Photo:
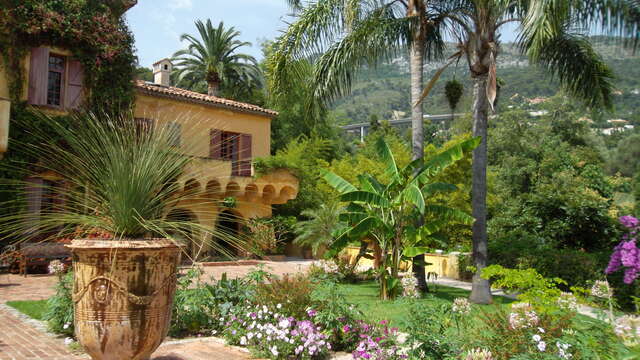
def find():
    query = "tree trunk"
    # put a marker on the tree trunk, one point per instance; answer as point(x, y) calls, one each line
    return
point(416, 62)
point(481, 291)
point(213, 88)
point(362, 252)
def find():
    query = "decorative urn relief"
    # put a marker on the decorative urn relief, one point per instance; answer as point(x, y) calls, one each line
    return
point(123, 293)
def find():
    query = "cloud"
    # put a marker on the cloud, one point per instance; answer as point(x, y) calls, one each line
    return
point(180, 4)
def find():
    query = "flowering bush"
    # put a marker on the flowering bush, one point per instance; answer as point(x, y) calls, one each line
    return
point(409, 286)
point(379, 343)
point(567, 301)
point(479, 354)
point(275, 336)
point(626, 255)
point(628, 329)
point(522, 316)
point(461, 306)
point(601, 289)
point(56, 267)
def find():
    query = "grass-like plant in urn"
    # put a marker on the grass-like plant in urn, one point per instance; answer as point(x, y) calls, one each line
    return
point(118, 179)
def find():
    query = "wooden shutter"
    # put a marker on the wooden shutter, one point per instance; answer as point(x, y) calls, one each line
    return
point(245, 155)
point(38, 76)
point(73, 94)
point(215, 144)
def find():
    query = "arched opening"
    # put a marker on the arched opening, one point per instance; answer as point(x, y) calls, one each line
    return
point(287, 193)
point(192, 186)
point(268, 192)
point(233, 189)
point(184, 233)
point(251, 191)
point(227, 233)
point(213, 189)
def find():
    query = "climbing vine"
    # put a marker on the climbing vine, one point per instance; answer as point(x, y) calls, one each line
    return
point(96, 35)
point(93, 30)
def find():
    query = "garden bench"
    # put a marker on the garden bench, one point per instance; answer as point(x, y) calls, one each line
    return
point(34, 254)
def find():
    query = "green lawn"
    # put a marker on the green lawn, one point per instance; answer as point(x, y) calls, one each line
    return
point(365, 295)
point(32, 308)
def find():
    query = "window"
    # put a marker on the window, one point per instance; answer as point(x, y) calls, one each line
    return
point(228, 145)
point(234, 147)
point(174, 132)
point(55, 80)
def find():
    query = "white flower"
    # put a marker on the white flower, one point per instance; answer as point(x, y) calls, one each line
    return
point(279, 306)
point(536, 338)
point(461, 306)
point(68, 341)
point(479, 354)
point(541, 330)
point(243, 341)
point(542, 346)
point(274, 350)
point(66, 326)
point(601, 289)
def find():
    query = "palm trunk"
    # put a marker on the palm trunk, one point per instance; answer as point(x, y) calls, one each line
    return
point(481, 291)
point(416, 63)
point(213, 88)
point(362, 252)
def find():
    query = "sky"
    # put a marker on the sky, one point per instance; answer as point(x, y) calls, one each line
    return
point(157, 25)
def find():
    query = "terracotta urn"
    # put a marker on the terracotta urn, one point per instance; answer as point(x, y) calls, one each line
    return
point(122, 293)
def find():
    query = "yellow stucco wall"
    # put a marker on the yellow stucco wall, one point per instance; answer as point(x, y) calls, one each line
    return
point(210, 180)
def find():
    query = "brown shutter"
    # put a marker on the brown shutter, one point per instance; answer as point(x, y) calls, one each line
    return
point(73, 94)
point(38, 75)
point(215, 144)
point(245, 155)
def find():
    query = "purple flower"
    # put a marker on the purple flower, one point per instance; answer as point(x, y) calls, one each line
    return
point(629, 221)
point(346, 328)
point(311, 312)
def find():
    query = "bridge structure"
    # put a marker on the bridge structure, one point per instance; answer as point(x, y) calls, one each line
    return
point(363, 129)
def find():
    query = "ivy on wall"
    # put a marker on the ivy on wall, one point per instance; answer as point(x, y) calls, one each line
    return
point(95, 33)
point(93, 30)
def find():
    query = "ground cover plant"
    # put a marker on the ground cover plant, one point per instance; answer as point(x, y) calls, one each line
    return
point(310, 315)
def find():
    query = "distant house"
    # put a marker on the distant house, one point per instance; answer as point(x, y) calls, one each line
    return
point(221, 135)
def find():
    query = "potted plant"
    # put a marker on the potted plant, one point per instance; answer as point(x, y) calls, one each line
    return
point(118, 181)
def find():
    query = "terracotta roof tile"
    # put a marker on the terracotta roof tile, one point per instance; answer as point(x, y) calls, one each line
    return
point(187, 95)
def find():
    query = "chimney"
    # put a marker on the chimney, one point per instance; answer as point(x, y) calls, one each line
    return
point(162, 72)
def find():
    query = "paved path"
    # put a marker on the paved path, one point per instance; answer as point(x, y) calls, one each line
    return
point(22, 338)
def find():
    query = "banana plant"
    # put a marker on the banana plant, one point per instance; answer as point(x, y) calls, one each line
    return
point(387, 212)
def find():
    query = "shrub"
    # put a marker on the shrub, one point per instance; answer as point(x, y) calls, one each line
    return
point(431, 333)
point(334, 313)
point(59, 314)
point(291, 292)
point(193, 308)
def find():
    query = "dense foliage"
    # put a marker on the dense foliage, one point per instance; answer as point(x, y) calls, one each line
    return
point(94, 31)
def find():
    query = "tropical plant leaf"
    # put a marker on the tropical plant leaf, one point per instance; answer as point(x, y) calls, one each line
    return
point(389, 161)
point(414, 251)
point(451, 214)
point(413, 194)
point(446, 158)
point(338, 183)
point(365, 197)
point(433, 188)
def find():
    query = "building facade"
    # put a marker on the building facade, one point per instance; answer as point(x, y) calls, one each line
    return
point(221, 136)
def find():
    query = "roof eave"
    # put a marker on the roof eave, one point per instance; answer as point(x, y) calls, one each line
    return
point(268, 114)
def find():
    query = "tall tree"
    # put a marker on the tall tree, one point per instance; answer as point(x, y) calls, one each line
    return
point(342, 36)
point(214, 59)
point(547, 35)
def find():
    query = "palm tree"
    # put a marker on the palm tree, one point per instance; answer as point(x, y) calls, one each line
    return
point(343, 36)
point(547, 35)
point(213, 59)
point(318, 231)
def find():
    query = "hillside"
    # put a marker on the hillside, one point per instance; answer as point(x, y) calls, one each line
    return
point(385, 89)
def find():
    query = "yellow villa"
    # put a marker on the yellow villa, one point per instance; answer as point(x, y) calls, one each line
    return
point(221, 135)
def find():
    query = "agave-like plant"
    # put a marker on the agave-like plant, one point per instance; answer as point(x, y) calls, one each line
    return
point(118, 179)
point(387, 212)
